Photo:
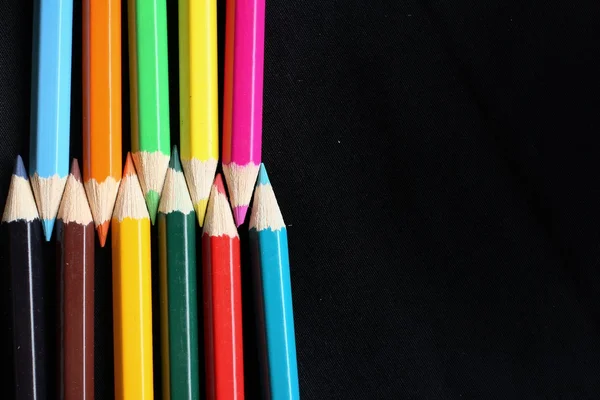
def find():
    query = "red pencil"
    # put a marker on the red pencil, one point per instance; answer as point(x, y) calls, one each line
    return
point(222, 299)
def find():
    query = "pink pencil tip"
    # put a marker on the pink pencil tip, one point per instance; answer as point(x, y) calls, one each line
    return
point(219, 184)
point(239, 214)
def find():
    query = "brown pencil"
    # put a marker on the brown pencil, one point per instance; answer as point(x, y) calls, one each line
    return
point(75, 235)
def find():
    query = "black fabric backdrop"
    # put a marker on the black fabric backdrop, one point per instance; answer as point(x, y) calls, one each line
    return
point(437, 164)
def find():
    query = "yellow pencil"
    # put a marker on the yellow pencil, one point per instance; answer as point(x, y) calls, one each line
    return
point(198, 101)
point(132, 291)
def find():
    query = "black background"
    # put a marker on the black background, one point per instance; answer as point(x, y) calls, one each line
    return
point(437, 164)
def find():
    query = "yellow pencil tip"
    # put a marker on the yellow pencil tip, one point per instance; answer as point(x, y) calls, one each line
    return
point(200, 208)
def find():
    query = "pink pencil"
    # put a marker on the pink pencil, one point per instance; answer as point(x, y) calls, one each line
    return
point(243, 100)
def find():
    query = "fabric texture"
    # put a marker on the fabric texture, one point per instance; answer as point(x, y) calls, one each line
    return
point(436, 163)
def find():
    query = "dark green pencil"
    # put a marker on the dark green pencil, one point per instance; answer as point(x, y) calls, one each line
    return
point(178, 292)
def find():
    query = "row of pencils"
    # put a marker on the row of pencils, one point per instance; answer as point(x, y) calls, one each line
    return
point(155, 186)
point(149, 102)
point(132, 291)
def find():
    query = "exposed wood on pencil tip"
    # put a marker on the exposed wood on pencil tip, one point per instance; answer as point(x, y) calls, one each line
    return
point(130, 201)
point(266, 213)
point(240, 182)
point(74, 206)
point(175, 195)
point(219, 219)
point(20, 204)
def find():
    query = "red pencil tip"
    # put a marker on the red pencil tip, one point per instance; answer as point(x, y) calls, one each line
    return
point(102, 232)
point(219, 184)
point(129, 169)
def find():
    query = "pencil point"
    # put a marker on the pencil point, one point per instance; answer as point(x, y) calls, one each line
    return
point(263, 178)
point(219, 184)
point(75, 170)
point(20, 170)
point(200, 208)
point(239, 214)
point(174, 162)
point(129, 168)
point(102, 230)
point(48, 225)
point(152, 200)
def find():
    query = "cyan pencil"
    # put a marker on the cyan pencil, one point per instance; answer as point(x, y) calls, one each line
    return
point(51, 105)
point(271, 270)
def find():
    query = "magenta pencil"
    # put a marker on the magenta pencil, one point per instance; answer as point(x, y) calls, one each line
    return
point(242, 134)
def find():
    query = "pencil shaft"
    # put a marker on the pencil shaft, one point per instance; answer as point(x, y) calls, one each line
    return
point(51, 87)
point(271, 272)
point(29, 329)
point(102, 89)
point(149, 76)
point(76, 267)
point(132, 304)
point(198, 79)
point(228, 79)
point(223, 317)
point(177, 239)
point(247, 92)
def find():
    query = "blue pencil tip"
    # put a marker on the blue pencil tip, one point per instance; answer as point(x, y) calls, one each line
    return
point(48, 225)
point(263, 178)
point(20, 170)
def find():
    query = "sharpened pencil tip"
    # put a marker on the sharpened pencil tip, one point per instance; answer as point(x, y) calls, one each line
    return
point(102, 230)
point(129, 169)
point(263, 178)
point(200, 208)
point(218, 183)
point(152, 201)
point(75, 170)
point(48, 225)
point(19, 169)
point(239, 214)
point(174, 162)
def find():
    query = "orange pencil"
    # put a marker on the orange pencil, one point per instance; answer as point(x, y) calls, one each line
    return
point(101, 23)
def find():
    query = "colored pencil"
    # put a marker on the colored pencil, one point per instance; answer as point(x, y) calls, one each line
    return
point(242, 136)
point(222, 299)
point(179, 314)
point(271, 271)
point(198, 94)
point(149, 83)
point(132, 291)
point(24, 248)
point(51, 105)
point(75, 233)
point(101, 25)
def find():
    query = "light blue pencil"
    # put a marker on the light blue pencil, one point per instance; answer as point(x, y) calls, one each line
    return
point(50, 105)
point(271, 269)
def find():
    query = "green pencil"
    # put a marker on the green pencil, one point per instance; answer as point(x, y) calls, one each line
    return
point(149, 93)
point(179, 314)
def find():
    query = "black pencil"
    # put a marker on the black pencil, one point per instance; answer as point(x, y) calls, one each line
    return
point(25, 256)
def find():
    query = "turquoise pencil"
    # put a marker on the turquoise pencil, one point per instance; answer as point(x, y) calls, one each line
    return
point(50, 105)
point(271, 270)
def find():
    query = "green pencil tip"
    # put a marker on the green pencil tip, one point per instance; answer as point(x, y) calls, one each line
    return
point(152, 200)
point(174, 163)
